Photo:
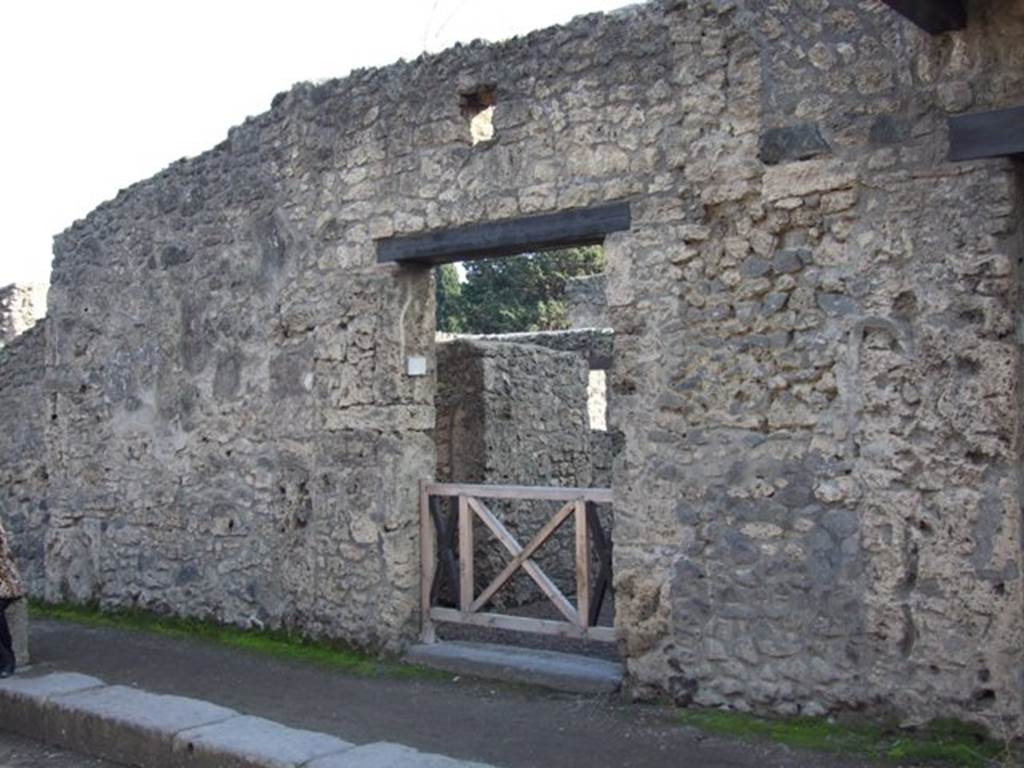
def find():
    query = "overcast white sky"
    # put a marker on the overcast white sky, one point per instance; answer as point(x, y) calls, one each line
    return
point(102, 93)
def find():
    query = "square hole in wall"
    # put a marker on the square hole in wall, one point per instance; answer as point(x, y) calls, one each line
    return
point(477, 107)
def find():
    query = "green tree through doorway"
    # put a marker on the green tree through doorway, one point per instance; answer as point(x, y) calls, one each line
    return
point(522, 293)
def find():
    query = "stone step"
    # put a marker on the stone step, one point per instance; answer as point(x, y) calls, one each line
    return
point(560, 671)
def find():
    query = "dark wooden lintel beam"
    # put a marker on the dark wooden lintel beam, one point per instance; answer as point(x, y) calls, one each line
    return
point(582, 226)
point(934, 16)
point(999, 133)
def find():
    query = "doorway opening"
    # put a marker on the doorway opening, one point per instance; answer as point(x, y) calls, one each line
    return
point(523, 346)
point(514, 404)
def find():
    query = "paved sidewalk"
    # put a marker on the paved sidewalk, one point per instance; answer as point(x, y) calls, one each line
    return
point(505, 726)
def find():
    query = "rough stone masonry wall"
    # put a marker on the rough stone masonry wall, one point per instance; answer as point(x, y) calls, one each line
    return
point(816, 372)
point(233, 434)
point(818, 375)
point(595, 345)
point(24, 507)
point(515, 414)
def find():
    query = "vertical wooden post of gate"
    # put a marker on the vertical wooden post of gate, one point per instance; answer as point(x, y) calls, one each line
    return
point(465, 556)
point(428, 565)
point(582, 564)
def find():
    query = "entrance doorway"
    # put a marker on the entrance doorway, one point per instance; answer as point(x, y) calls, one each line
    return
point(516, 408)
point(517, 522)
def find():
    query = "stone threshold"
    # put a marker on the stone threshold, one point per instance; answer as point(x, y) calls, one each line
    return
point(126, 725)
point(550, 669)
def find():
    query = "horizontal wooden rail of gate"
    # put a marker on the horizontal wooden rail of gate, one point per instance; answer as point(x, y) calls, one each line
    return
point(438, 538)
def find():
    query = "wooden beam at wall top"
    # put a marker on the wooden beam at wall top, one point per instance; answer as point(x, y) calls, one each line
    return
point(934, 16)
point(582, 226)
point(999, 133)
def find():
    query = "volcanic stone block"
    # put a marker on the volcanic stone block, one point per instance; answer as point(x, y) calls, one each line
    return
point(252, 741)
point(23, 699)
point(794, 142)
point(124, 724)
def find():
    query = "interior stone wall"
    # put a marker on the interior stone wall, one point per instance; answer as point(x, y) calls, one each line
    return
point(817, 373)
point(515, 414)
point(585, 300)
point(595, 345)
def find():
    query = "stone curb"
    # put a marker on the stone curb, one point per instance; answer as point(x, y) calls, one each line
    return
point(132, 727)
point(243, 741)
point(23, 700)
point(124, 725)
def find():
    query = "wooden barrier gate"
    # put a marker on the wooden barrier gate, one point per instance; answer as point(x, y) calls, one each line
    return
point(438, 537)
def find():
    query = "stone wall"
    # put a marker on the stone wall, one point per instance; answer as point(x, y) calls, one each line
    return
point(459, 410)
point(21, 306)
point(816, 368)
point(232, 433)
point(24, 506)
point(818, 376)
point(24, 503)
point(515, 414)
point(595, 345)
point(587, 306)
